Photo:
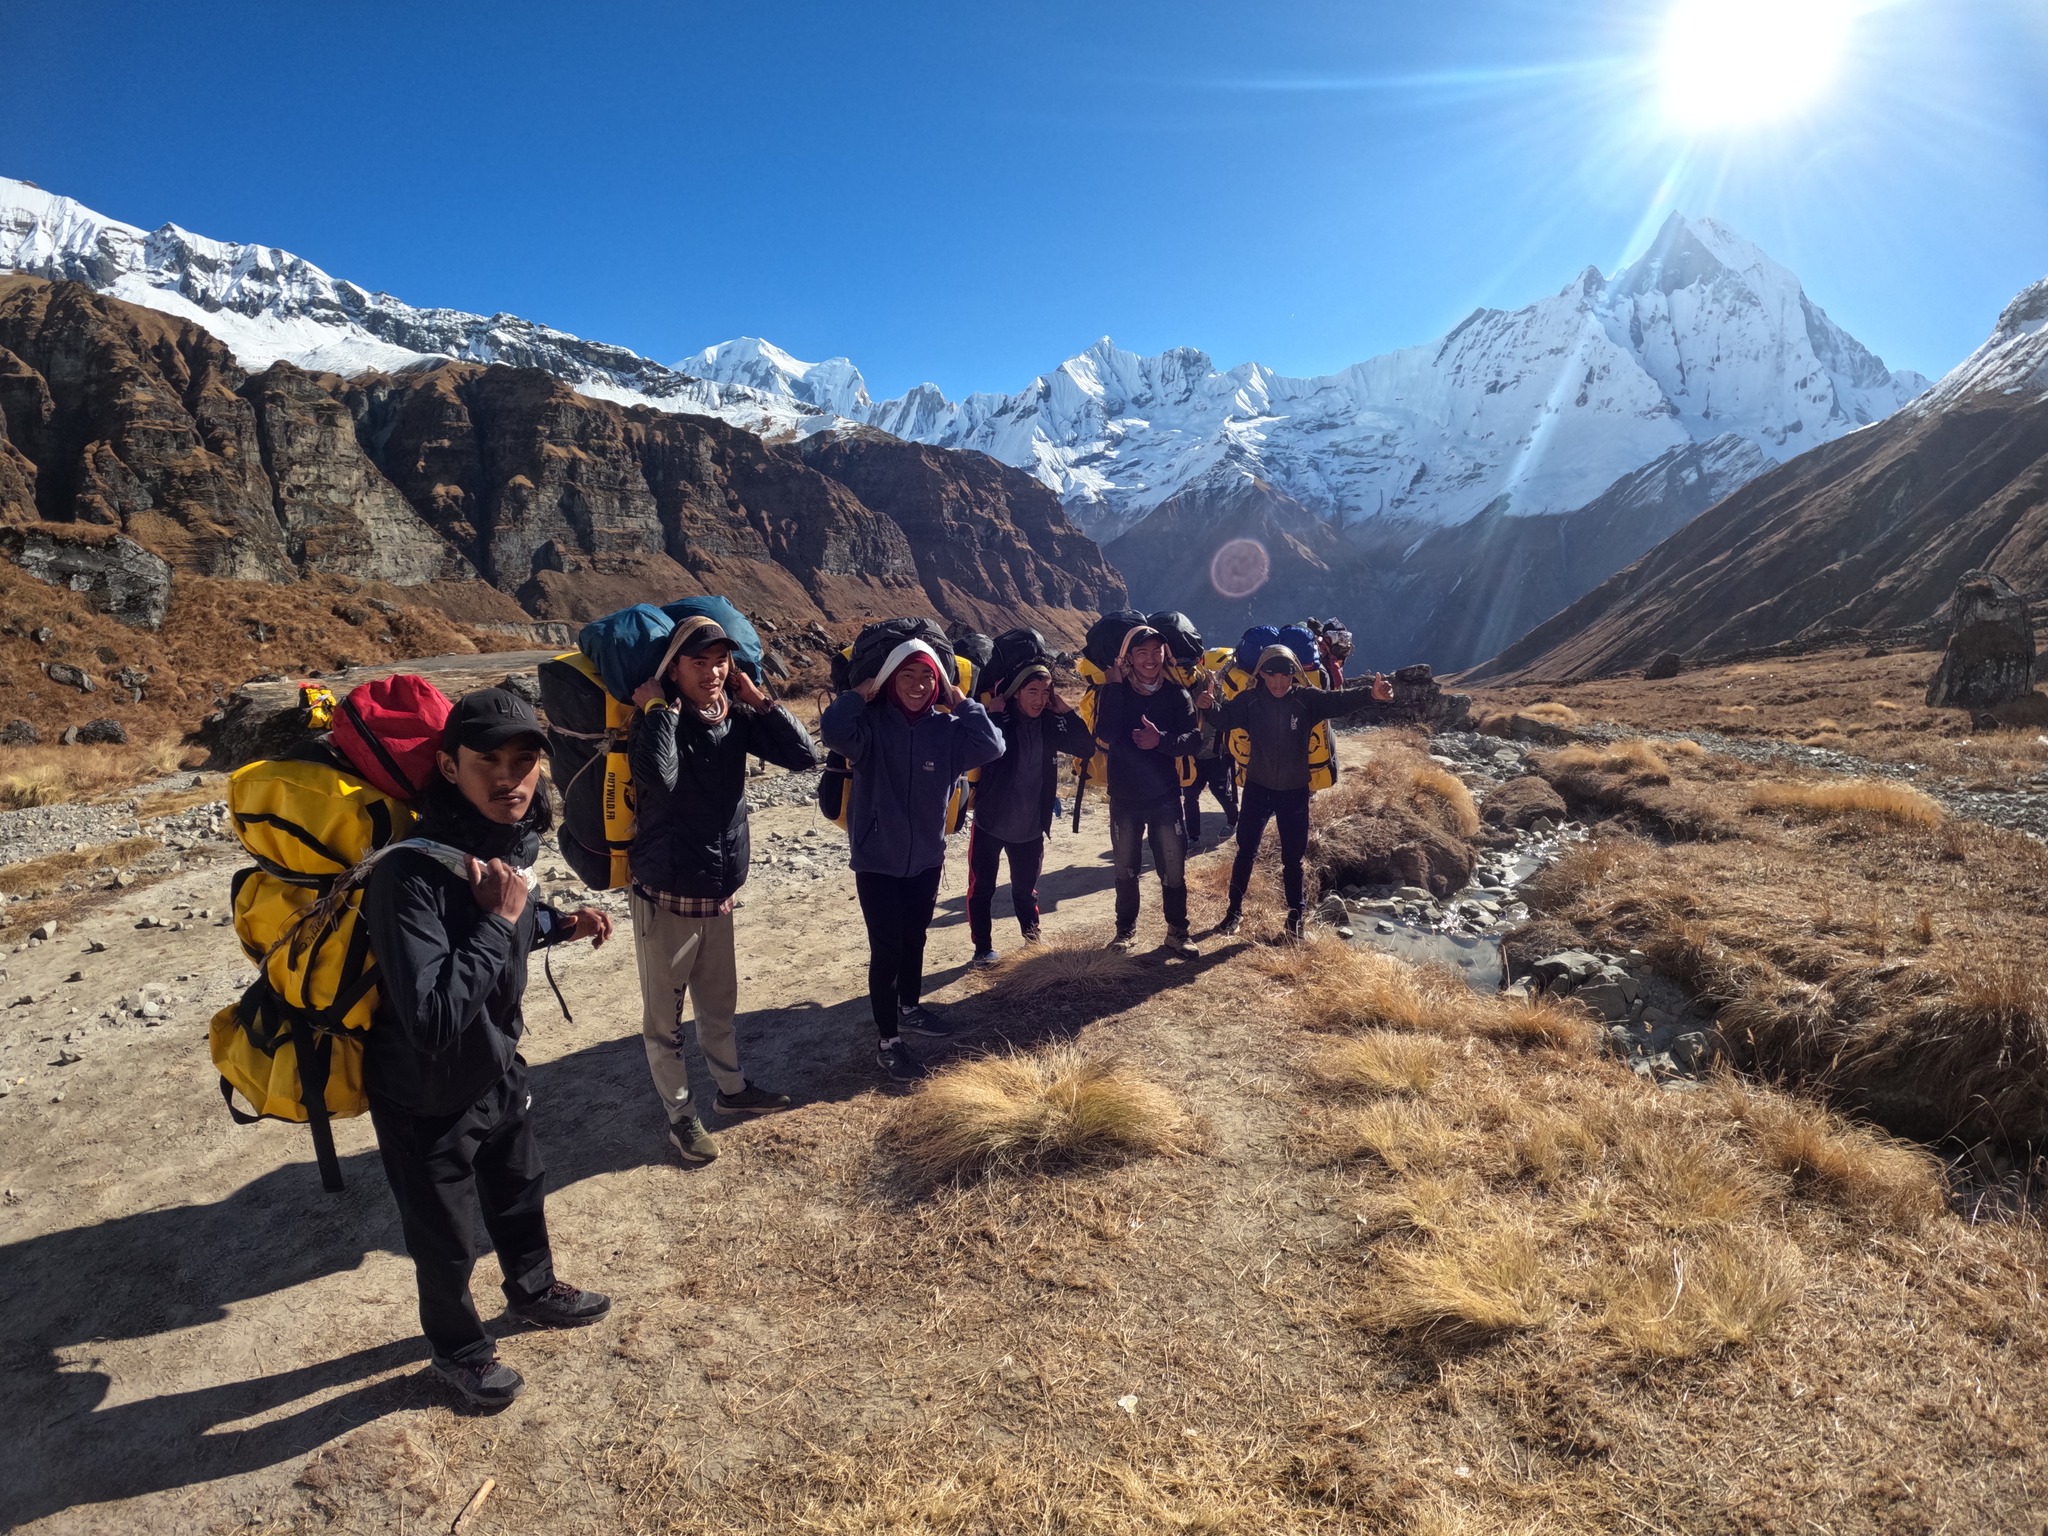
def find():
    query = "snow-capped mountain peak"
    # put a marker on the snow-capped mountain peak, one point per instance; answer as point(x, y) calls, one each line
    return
point(833, 386)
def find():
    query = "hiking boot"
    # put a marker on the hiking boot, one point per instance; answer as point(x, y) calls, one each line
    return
point(897, 1061)
point(751, 1100)
point(1178, 943)
point(1123, 941)
point(1297, 925)
point(984, 958)
point(920, 1020)
point(562, 1305)
point(692, 1142)
point(488, 1383)
point(1232, 921)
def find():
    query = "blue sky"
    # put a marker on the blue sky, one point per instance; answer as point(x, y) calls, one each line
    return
point(967, 194)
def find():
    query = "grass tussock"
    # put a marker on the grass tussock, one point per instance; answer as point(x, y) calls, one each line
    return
point(1030, 977)
point(52, 775)
point(1335, 986)
point(1551, 710)
point(1400, 1133)
point(1893, 1183)
point(1671, 1304)
point(1635, 760)
point(1397, 776)
point(1899, 804)
point(1052, 1109)
point(1381, 1062)
point(1466, 1286)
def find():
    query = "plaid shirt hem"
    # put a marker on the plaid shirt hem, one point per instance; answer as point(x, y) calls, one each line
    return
point(684, 906)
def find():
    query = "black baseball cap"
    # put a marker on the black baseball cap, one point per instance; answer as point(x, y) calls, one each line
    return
point(697, 634)
point(487, 718)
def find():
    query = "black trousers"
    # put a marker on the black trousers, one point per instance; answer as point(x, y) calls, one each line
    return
point(1289, 807)
point(984, 865)
point(445, 1170)
point(1131, 827)
point(898, 912)
point(1218, 775)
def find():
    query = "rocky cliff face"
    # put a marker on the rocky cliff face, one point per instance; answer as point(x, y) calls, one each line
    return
point(138, 423)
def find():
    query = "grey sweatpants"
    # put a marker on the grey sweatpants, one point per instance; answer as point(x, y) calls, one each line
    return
point(693, 956)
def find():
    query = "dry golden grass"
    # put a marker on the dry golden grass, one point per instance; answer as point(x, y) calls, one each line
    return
point(1465, 1286)
point(1683, 1186)
point(1381, 1062)
point(1397, 775)
point(1637, 760)
point(39, 876)
point(1399, 1132)
point(168, 802)
point(1050, 1109)
point(1333, 985)
point(50, 775)
point(1550, 709)
point(1893, 1183)
point(1899, 803)
point(1672, 1305)
point(1028, 978)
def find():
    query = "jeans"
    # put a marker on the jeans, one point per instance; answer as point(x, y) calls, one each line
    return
point(984, 864)
point(443, 1170)
point(898, 912)
point(1289, 807)
point(1218, 775)
point(693, 957)
point(1131, 826)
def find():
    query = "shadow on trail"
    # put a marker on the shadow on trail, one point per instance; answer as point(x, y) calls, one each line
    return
point(184, 1266)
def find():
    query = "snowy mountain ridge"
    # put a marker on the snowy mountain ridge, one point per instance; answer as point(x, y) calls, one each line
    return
point(1532, 411)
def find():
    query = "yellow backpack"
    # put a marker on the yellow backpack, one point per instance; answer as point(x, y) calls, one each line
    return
point(1095, 770)
point(292, 1047)
point(589, 763)
point(1322, 751)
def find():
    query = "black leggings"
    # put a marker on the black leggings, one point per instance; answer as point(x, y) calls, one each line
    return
point(984, 865)
point(1218, 775)
point(898, 912)
point(1289, 807)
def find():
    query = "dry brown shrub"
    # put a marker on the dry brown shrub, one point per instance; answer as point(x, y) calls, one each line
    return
point(1673, 1305)
point(1380, 1062)
point(1897, 803)
point(49, 775)
point(1892, 1182)
point(1397, 776)
point(1466, 1286)
point(1056, 1108)
point(1679, 746)
point(1550, 709)
point(1399, 1132)
point(1637, 760)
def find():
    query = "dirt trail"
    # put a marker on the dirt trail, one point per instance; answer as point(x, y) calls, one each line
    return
point(189, 1316)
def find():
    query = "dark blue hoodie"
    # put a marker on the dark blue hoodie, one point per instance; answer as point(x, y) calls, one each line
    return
point(903, 771)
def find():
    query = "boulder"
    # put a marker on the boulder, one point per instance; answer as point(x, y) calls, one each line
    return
point(1521, 803)
point(1990, 655)
point(1392, 847)
point(114, 575)
point(1663, 666)
point(105, 732)
point(67, 676)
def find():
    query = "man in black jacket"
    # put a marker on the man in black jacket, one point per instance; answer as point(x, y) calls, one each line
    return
point(700, 719)
point(1276, 718)
point(1014, 802)
point(451, 916)
point(1147, 723)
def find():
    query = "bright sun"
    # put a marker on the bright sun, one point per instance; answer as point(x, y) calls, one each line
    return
point(1728, 63)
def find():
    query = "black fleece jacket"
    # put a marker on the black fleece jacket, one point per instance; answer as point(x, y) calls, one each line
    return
point(1055, 732)
point(449, 974)
point(690, 835)
point(1136, 776)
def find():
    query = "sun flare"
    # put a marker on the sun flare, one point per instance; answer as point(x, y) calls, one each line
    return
point(1732, 63)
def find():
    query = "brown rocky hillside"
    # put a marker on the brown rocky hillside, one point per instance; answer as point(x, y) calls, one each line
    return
point(139, 461)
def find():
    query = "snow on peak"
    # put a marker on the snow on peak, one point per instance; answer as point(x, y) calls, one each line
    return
point(1545, 406)
point(2013, 359)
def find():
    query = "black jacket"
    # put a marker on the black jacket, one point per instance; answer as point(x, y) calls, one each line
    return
point(449, 974)
point(1279, 729)
point(1135, 776)
point(690, 834)
point(1057, 733)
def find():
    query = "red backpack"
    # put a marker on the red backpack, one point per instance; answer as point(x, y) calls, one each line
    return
point(389, 730)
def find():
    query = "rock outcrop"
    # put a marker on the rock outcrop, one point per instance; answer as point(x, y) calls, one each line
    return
point(1990, 655)
point(114, 574)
